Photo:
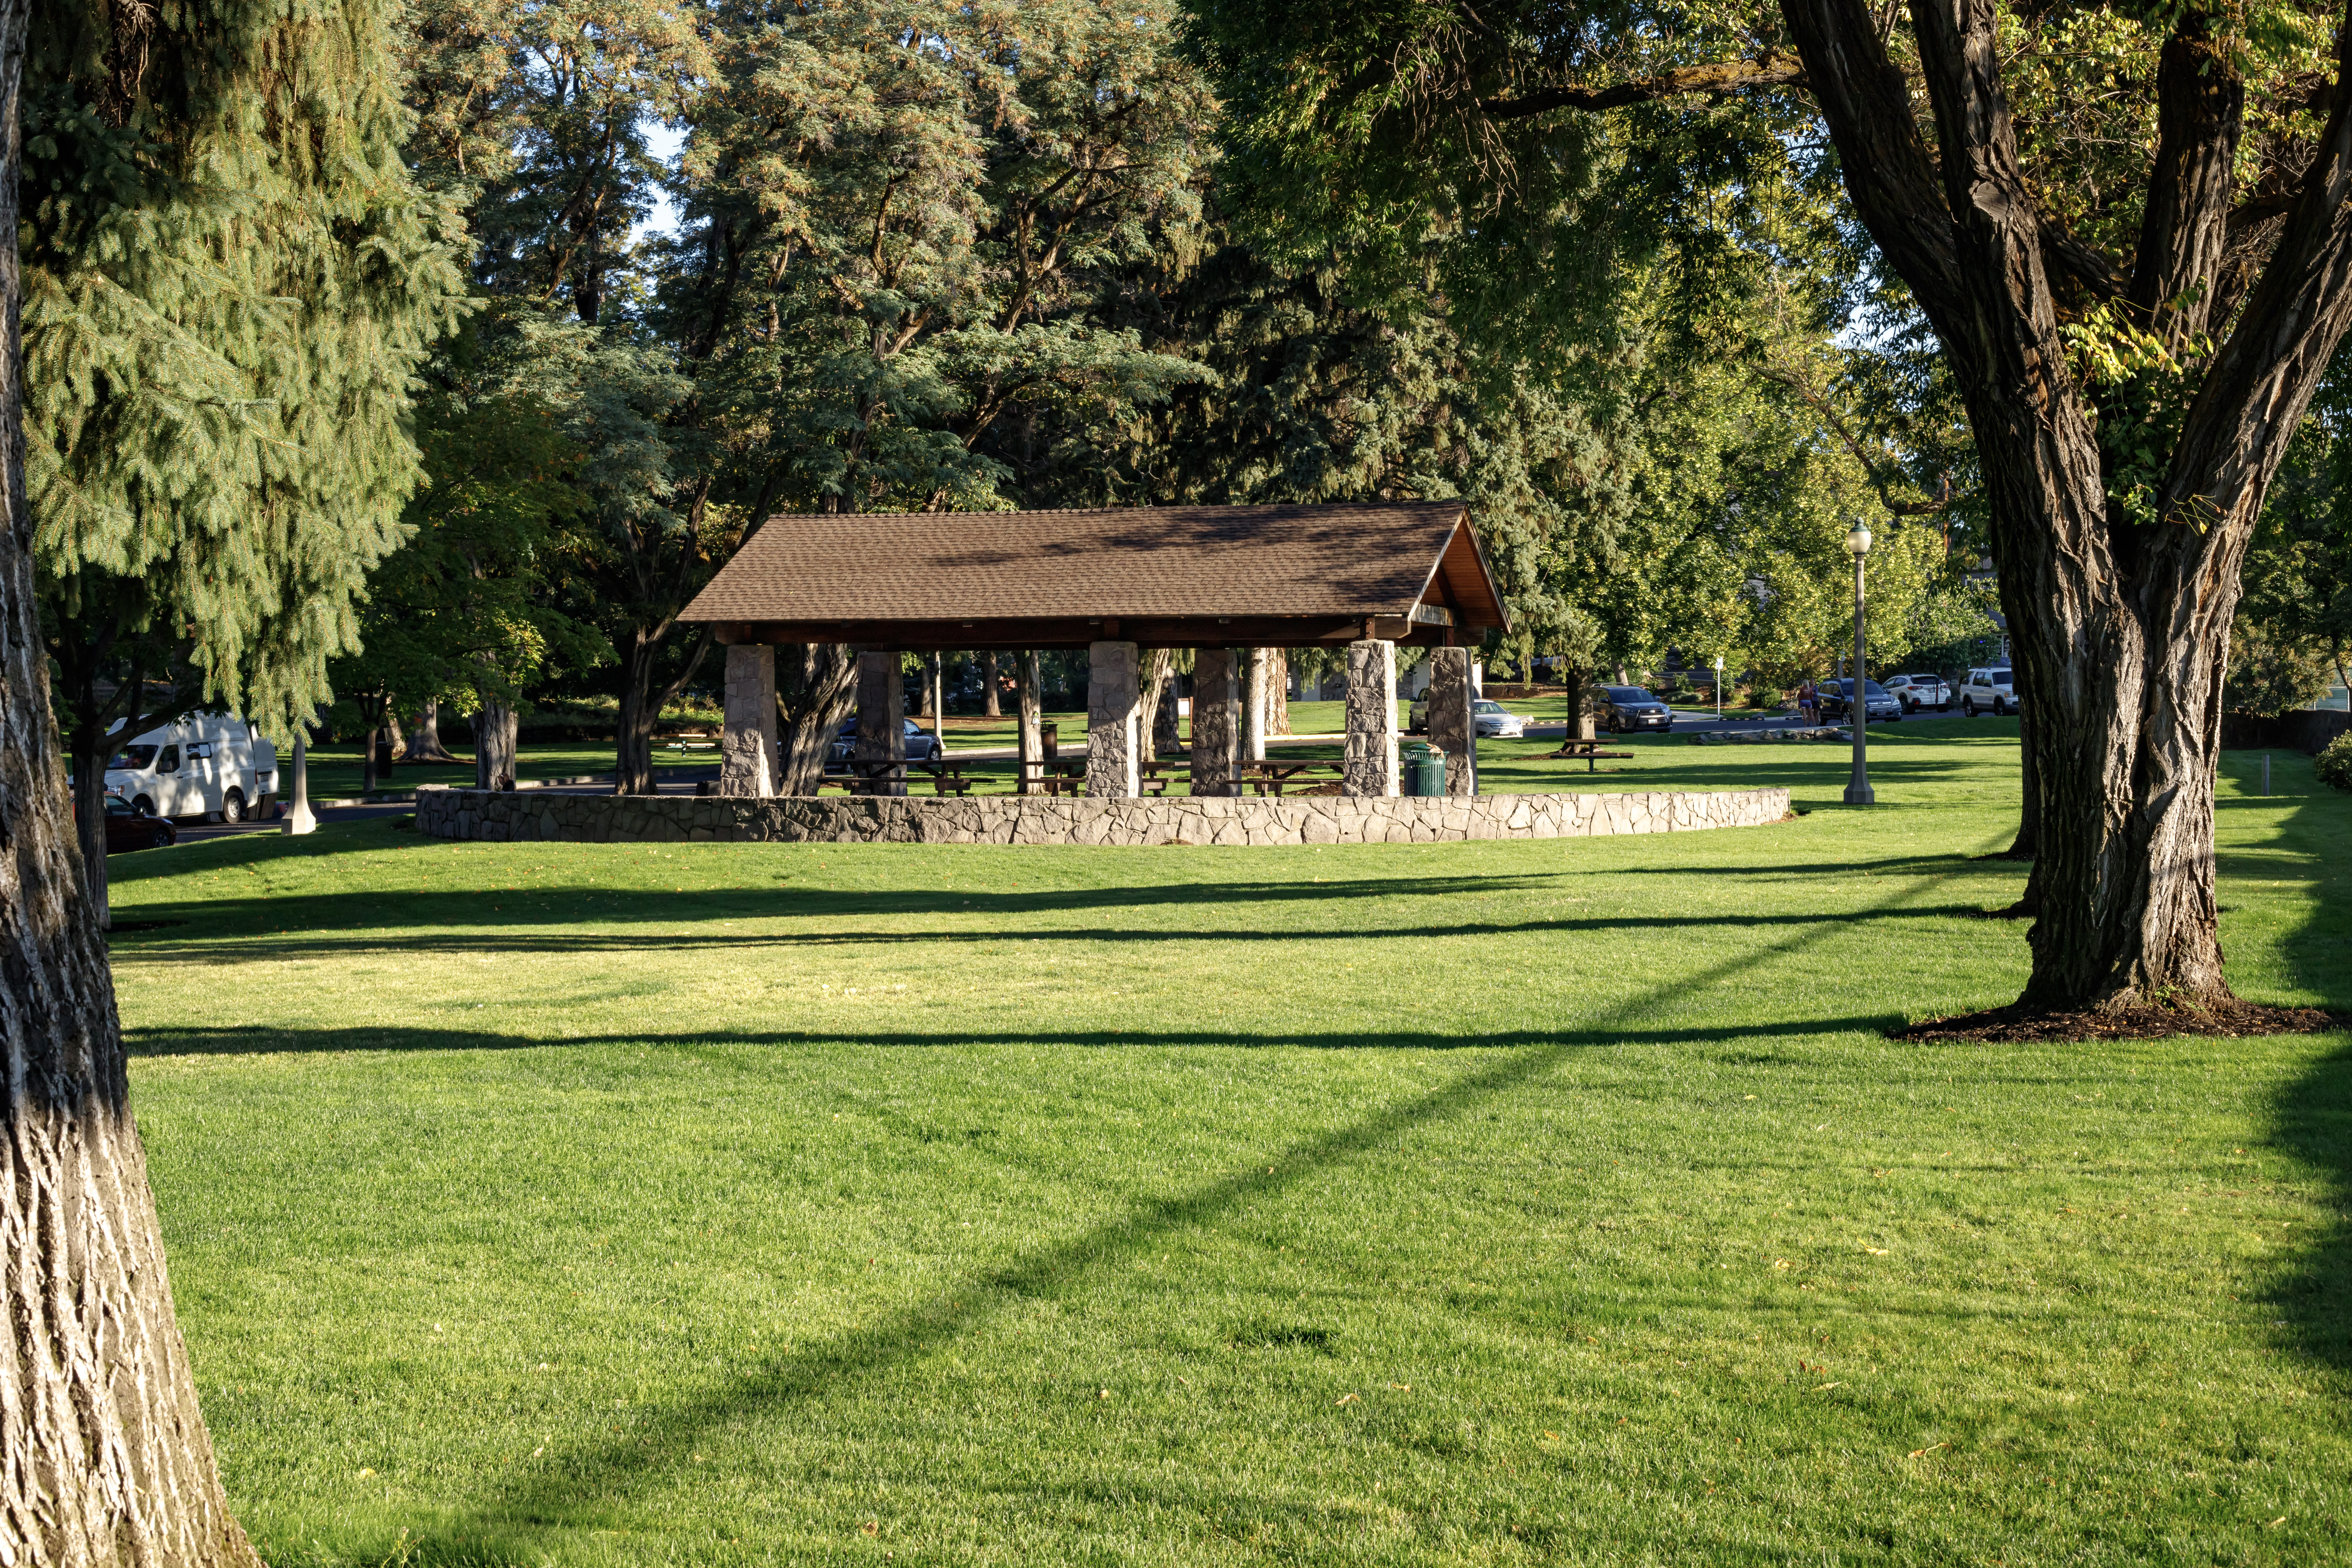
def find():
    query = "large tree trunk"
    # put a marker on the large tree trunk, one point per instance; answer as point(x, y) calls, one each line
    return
point(2119, 608)
point(815, 693)
point(641, 708)
point(104, 1457)
point(497, 750)
point(425, 735)
point(1581, 723)
point(988, 678)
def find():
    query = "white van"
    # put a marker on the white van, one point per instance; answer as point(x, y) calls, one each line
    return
point(207, 764)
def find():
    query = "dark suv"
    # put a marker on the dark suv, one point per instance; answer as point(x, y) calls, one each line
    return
point(1878, 704)
point(1631, 708)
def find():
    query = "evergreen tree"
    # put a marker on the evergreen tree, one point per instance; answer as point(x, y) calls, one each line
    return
point(229, 280)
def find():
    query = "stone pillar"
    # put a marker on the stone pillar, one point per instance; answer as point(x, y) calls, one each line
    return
point(747, 763)
point(1371, 765)
point(1451, 729)
point(1216, 720)
point(300, 818)
point(1113, 695)
point(881, 719)
point(1033, 718)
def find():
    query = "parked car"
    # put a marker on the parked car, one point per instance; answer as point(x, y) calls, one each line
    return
point(1493, 718)
point(1632, 708)
point(1990, 689)
point(128, 829)
point(922, 746)
point(1878, 704)
point(1488, 717)
point(207, 764)
point(1917, 691)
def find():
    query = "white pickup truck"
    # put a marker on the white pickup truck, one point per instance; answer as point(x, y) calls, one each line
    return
point(205, 765)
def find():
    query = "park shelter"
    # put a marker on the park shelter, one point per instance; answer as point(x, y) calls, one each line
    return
point(1218, 579)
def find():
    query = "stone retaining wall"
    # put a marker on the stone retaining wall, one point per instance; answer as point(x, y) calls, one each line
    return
point(1035, 819)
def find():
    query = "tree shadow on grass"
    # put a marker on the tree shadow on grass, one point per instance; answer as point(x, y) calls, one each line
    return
point(2311, 1119)
point(241, 1040)
point(590, 1484)
point(556, 931)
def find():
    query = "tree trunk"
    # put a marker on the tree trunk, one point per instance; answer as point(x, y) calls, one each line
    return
point(2029, 792)
point(2119, 603)
point(496, 733)
point(375, 710)
point(425, 735)
point(1582, 725)
point(1032, 743)
point(989, 704)
point(1276, 667)
point(104, 1457)
point(641, 708)
point(815, 693)
point(1162, 665)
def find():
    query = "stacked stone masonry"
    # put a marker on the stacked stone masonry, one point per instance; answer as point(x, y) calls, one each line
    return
point(1014, 819)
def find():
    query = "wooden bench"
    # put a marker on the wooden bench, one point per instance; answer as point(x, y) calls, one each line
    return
point(1590, 751)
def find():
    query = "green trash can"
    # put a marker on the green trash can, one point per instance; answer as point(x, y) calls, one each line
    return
point(1424, 770)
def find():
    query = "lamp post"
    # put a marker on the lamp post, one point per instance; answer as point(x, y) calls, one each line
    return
point(1857, 705)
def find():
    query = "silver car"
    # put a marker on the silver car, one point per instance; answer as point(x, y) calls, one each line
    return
point(1493, 718)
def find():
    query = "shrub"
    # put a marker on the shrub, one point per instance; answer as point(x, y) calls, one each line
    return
point(2335, 762)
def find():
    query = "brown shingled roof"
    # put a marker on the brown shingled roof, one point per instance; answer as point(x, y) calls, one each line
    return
point(1172, 574)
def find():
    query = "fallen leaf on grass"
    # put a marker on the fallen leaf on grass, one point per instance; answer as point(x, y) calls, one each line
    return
point(1829, 1386)
point(1876, 1251)
point(2276, 1523)
point(1347, 1399)
point(1928, 1450)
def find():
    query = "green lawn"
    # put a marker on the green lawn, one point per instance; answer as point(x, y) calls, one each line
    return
point(1554, 1202)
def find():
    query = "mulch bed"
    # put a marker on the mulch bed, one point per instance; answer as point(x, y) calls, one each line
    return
point(2232, 1019)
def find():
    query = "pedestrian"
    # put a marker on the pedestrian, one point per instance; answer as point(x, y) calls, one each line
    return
point(1809, 702)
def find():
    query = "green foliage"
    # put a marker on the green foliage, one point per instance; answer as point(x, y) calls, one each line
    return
point(472, 609)
point(2335, 763)
point(2298, 571)
point(2269, 674)
point(229, 280)
point(902, 225)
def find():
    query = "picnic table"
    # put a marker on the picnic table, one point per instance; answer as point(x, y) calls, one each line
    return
point(1271, 777)
point(862, 775)
point(1590, 751)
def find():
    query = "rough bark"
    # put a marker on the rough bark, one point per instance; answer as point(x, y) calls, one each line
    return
point(816, 689)
point(642, 704)
point(1583, 725)
point(104, 1457)
point(1161, 665)
point(988, 678)
point(1033, 719)
point(495, 732)
point(425, 735)
point(2120, 624)
point(1274, 666)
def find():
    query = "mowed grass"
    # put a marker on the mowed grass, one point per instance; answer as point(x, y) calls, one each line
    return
point(1553, 1202)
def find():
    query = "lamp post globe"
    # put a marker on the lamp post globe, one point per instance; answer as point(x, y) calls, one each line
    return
point(1857, 702)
